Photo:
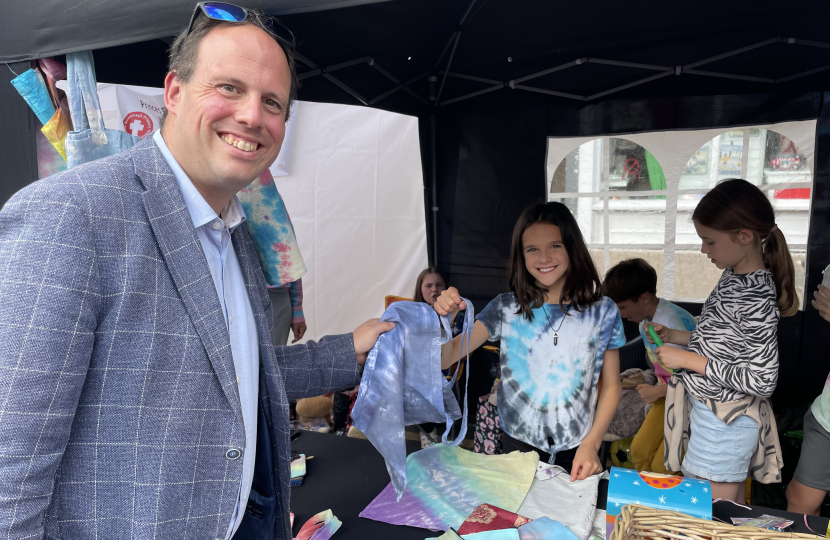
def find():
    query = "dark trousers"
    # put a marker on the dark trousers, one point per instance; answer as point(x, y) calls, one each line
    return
point(564, 459)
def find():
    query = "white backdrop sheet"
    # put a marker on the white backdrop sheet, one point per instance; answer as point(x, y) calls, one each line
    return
point(355, 195)
point(352, 181)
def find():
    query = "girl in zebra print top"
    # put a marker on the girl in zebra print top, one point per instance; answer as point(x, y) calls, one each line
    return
point(731, 366)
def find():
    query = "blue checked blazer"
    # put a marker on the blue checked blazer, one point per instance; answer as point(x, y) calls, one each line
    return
point(118, 396)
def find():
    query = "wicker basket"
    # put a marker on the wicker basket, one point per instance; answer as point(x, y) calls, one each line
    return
point(641, 522)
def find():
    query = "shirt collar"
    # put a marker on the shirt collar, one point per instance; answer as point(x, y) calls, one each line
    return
point(200, 211)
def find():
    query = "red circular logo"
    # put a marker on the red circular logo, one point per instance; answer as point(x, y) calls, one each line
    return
point(138, 124)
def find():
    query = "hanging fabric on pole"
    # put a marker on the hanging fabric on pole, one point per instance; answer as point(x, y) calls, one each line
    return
point(90, 140)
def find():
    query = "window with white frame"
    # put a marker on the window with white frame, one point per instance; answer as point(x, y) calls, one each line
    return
point(630, 202)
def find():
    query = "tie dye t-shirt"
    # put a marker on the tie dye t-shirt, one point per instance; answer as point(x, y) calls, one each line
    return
point(548, 393)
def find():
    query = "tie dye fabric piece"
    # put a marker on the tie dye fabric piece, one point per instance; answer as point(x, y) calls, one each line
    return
point(402, 384)
point(320, 527)
point(272, 231)
point(447, 483)
point(491, 518)
point(548, 391)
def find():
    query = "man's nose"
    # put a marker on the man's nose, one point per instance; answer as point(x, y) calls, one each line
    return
point(249, 111)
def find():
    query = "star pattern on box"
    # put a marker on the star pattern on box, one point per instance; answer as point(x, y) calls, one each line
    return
point(662, 499)
point(636, 482)
point(694, 500)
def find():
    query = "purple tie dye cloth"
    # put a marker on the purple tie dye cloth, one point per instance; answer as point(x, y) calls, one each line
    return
point(447, 483)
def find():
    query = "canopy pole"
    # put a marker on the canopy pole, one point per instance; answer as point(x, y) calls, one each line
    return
point(434, 165)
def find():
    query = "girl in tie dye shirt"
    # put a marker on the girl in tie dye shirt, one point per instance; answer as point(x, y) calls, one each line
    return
point(558, 333)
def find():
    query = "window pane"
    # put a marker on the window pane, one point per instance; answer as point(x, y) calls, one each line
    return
point(654, 257)
point(599, 260)
point(694, 275)
point(792, 213)
point(589, 216)
point(581, 171)
point(684, 232)
point(637, 220)
point(633, 168)
point(775, 159)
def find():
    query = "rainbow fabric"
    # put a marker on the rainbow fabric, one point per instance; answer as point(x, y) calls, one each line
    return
point(446, 483)
point(298, 467)
point(320, 527)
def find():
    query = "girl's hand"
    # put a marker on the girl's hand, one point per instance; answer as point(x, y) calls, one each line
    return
point(586, 462)
point(664, 332)
point(674, 358)
point(822, 302)
point(449, 302)
point(650, 393)
point(670, 357)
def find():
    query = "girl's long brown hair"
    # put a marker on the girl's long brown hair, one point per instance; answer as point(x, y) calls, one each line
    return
point(735, 205)
point(582, 284)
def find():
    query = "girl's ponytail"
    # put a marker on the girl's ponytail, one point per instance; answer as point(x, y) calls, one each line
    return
point(778, 260)
point(736, 204)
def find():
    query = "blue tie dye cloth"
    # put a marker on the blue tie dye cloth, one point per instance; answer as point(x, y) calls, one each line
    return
point(403, 385)
point(548, 391)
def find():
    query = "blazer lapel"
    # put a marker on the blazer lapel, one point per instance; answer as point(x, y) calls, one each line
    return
point(176, 237)
point(246, 253)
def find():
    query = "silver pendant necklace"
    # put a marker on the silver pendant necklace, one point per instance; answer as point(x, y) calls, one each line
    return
point(555, 331)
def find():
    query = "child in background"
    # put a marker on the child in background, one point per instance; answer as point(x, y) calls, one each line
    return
point(807, 490)
point(428, 287)
point(731, 367)
point(632, 284)
point(557, 333)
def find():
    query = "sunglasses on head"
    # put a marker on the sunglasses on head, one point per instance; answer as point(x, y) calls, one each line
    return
point(221, 11)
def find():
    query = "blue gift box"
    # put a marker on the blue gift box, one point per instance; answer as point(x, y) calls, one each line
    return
point(688, 495)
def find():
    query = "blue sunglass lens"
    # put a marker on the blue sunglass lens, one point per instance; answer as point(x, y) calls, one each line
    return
point(225, 12)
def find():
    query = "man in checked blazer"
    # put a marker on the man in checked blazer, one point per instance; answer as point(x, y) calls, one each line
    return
point(140, 393)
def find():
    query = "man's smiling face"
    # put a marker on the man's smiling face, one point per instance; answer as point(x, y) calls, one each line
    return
point(228, 120)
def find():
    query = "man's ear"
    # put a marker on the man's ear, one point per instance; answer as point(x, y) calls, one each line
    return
point(172, 92)
point(645, 298)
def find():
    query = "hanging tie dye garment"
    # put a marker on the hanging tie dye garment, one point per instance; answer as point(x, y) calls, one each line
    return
point(548, 392)
point(447, 483)
point(403, 385)
point(272, 231)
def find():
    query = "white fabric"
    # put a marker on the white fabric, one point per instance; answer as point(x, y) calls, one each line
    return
point(355, 195)
point(552, 494)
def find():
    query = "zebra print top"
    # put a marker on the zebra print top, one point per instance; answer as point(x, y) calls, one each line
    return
point(737, 333)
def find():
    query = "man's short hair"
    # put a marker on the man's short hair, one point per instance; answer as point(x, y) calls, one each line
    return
point(629, 280)
point(184, 53)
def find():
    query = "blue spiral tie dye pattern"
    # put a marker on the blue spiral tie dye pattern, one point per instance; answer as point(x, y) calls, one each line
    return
point(548, 392)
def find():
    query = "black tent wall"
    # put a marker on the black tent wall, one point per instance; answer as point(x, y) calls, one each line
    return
point(18, 154)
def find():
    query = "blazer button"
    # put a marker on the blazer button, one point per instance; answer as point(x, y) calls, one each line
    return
point(233, 454)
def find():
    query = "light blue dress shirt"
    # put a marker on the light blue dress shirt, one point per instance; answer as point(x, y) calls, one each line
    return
point(214, 233)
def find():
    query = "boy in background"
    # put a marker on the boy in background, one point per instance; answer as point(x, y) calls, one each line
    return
point(632, 285)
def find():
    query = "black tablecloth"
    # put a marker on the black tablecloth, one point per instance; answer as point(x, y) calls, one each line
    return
point(347, 474)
